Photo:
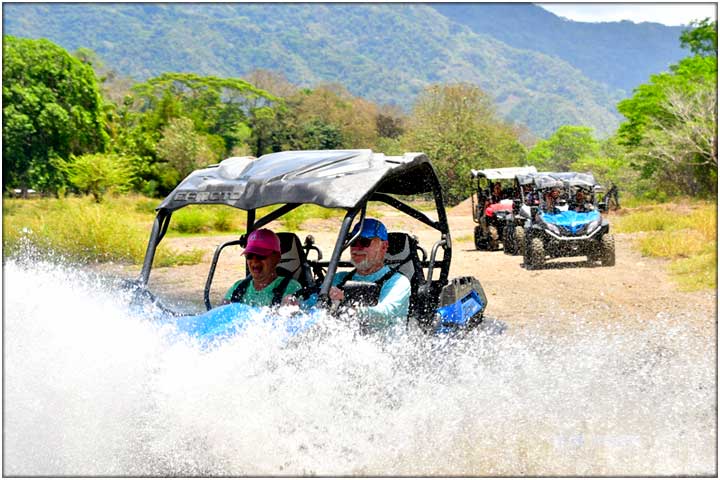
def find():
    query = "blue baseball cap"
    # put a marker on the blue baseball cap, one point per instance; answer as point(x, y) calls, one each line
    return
point(371, 228)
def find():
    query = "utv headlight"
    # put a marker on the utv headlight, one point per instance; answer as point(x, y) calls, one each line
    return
point(553, 228)
point(592, 226)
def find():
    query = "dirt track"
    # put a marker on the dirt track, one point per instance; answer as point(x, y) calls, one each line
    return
point(635, 291)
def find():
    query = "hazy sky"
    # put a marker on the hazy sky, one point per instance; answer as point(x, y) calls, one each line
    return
point(665, 13)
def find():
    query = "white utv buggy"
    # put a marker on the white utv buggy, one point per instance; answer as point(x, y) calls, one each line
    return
point(525, 197)
point(340, 179)
point(492, 212)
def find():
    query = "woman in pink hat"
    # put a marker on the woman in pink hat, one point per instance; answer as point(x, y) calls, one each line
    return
point(263, 287)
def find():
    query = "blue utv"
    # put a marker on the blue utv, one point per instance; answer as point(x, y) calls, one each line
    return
point(569, 225)
point(348, 180)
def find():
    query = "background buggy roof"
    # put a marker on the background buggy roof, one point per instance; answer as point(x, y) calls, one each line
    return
point(526, 178)
point(546, 180)
point(575, 179)
point(506, 173)
point(329, 178)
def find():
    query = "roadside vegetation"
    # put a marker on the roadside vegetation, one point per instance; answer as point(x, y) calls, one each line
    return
point(91, 131)
point(684, 232)
point(81, 230)
point(117, 230)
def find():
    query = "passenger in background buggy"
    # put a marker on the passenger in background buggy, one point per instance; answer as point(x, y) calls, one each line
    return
point(552, 200)
point(497, 193)
point(581, 203)
point(531, 196)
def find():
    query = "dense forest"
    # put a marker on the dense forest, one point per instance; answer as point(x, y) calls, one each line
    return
point(541, 71)
point(71, 123)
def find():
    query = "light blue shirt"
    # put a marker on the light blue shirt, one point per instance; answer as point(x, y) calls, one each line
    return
point(393, 304)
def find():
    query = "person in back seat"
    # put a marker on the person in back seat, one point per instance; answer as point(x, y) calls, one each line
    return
point(263, 287)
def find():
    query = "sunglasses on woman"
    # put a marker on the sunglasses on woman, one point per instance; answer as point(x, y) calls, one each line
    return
point(255, 256)
point(361, 242)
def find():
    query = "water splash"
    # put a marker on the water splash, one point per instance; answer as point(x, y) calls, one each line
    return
point(92, 390)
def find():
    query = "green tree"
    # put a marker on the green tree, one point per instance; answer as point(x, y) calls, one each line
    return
point(51, 108)
point(215, 105)
point(331, 105)
point(96, 174)
point(567, 145)
point(321, 136)
point(222, 113)
point(456, 125)
point(701, 38)
point(610, 166)
point(184, 149)
point(671, 126)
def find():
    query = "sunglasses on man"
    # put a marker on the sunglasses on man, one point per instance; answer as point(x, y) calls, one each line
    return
point(361, 242)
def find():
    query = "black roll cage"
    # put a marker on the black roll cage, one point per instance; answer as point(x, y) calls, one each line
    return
point(162, 221)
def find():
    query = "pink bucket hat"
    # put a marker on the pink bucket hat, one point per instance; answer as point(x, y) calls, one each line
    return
point(262, 242)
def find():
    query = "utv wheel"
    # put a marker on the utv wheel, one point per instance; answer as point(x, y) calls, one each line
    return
point(536, 253)
point(519, 243)
point(526, 258)
point(607, 243)
point(494, 241)
point(508, 244)
point(478, 238)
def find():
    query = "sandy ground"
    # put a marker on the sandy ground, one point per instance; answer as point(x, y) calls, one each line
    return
point(633, 292)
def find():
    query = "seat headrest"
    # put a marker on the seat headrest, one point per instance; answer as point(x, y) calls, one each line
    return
point(401, 253)
point(398, 245)
point(291, 257)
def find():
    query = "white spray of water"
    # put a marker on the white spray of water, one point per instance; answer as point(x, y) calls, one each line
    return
point(91, 390)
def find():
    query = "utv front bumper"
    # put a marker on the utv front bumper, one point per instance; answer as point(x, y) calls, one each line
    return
point(558, 245)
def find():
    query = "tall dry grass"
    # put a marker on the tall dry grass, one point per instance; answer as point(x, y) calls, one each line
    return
point(683, 231)
point(80, 230)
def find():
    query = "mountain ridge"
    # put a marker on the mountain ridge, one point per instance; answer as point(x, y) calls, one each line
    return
point(384, 52)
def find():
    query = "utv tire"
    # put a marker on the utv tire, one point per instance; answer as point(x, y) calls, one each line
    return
point(535, 257)
point(494, 240)
point(519, 243)
point(508, 244)
point(607, 243)
point(479, 244)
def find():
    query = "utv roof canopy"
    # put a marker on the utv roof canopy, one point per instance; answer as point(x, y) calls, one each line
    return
point(577, 180)
point(545, 181)
point(329, 178)
point(507, 173)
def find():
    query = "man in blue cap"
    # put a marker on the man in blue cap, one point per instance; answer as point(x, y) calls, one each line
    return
point(367, 254)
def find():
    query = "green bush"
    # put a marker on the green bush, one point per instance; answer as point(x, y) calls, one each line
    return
point(223, 220)
point(191, 220)
point(97, 174)
point(147, 206)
